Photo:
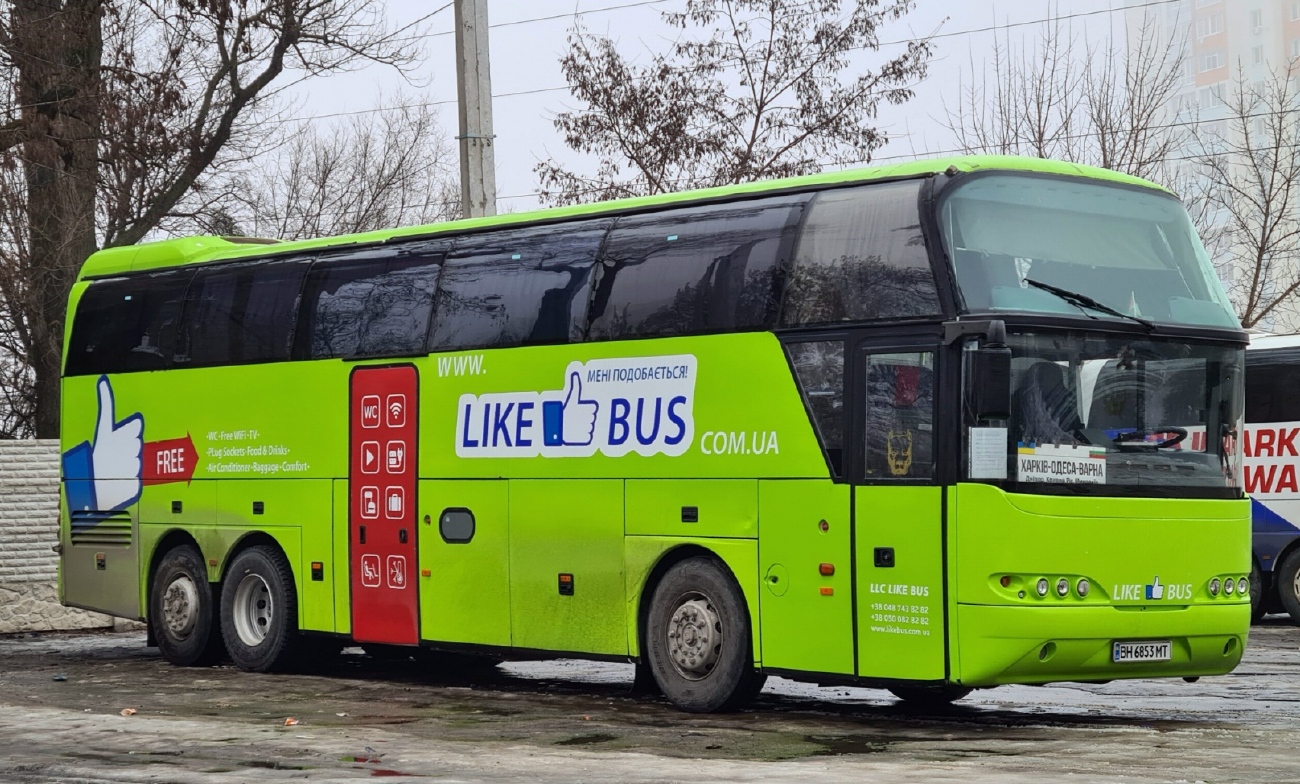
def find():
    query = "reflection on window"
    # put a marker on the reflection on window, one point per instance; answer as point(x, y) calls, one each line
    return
point(693, 270)
point(515, 287)
point(819, 369)
point(240, 313)
point(899, 433)
point(127, 324)
point(377, 306)
point(861, 256)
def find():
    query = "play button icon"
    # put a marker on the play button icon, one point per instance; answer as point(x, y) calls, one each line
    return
point(369, 457)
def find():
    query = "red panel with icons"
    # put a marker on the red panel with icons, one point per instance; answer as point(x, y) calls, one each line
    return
point(381, 487)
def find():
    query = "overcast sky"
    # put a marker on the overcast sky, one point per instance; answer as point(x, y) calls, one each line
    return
point(525, 57)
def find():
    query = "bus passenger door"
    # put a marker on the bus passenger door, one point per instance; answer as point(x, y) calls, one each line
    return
point(381, 490)
point(898, 514)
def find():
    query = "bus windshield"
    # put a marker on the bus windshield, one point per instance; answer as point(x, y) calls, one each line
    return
point(1014, 238)
point(1102, 412)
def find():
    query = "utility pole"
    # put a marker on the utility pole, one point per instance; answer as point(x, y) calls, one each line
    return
point(478, 178)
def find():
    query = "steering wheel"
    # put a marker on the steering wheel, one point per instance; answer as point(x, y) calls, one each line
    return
point(1179, 434)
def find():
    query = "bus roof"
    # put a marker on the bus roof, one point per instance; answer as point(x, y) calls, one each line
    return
point(193, 250)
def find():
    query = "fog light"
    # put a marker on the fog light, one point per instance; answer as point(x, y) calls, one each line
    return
point(1214, 587)
point(1042, 586)
point(1062, 587)
point(1243, 586)
point(1083, 587)
point(1228, 587)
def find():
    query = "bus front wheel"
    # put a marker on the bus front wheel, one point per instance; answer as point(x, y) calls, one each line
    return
point(259, 614)
point(1257, 602)
point(698, 638)
point(182, 611)
point(1287, 577)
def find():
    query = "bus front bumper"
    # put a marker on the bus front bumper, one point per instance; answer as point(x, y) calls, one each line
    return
point(996, 645)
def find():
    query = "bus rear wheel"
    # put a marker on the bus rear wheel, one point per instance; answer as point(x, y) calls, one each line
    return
point(1287, 577)
point(929, 696)
point(182, 611)
point(259, 613)
point(698, 638)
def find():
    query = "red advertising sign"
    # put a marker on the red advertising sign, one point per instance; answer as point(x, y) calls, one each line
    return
point(381, 484)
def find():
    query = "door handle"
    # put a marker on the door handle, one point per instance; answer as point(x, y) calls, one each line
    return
point(401, 536)
point(362, 533)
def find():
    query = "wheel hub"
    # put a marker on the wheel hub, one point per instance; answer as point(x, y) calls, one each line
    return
point(181, 606)
point(253, 610)
point(695, 637)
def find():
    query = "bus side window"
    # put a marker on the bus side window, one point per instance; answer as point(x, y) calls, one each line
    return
point(861, 257)
point(516, 287)
point(1270, 390)
point(366, 307)
point(701, 269)
point(127, 324)
point(899, 400)
point(238, 313)
point(819, 370)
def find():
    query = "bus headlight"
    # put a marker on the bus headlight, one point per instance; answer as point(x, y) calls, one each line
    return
point(1042, 586)
point(1062, 587)
point(1083, 587)
point(1243, 586)
point(1228, 587)
point(1214, 587)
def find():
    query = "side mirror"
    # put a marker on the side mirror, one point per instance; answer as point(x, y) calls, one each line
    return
point(990, 392)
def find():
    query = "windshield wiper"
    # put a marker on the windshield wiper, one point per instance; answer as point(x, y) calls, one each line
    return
point(1084, 301)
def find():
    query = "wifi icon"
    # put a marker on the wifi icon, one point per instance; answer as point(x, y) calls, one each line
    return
point(395, 407)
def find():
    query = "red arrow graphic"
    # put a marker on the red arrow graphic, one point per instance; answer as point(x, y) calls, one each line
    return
point(172, 460)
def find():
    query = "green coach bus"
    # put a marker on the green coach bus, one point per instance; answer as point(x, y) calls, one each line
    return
point(928, 427)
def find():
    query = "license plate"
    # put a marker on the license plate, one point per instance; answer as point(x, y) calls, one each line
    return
point(1148, 651)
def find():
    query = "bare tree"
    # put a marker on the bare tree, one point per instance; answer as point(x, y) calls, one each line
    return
point(391, 168)
point(1068, 99)
point(751, 89)
point(122, 109)
point(1248, 173)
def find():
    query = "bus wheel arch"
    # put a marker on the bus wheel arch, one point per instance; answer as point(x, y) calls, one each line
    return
point(696, 633)
point(182, 606)
point(259, 605)
point(1286, 580)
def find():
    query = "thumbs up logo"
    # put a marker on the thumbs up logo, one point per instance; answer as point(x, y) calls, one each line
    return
point(1156, 590)
point(572, 421)
point(104, 475)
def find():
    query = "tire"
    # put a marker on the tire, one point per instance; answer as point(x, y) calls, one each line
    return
point(1286, 576)
point(711, 669)
point(183, 611)
point(1257, 604)
point(259, 611)
point(929, 696)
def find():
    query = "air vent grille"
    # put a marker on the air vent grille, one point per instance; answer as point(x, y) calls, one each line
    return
point(101, 529)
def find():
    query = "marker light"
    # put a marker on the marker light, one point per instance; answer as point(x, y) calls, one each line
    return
point(1083, 587)
point(1062, 587)
point(1042, 586)
point(1243, 586)
point(1214, 587)
point(1228, 587)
